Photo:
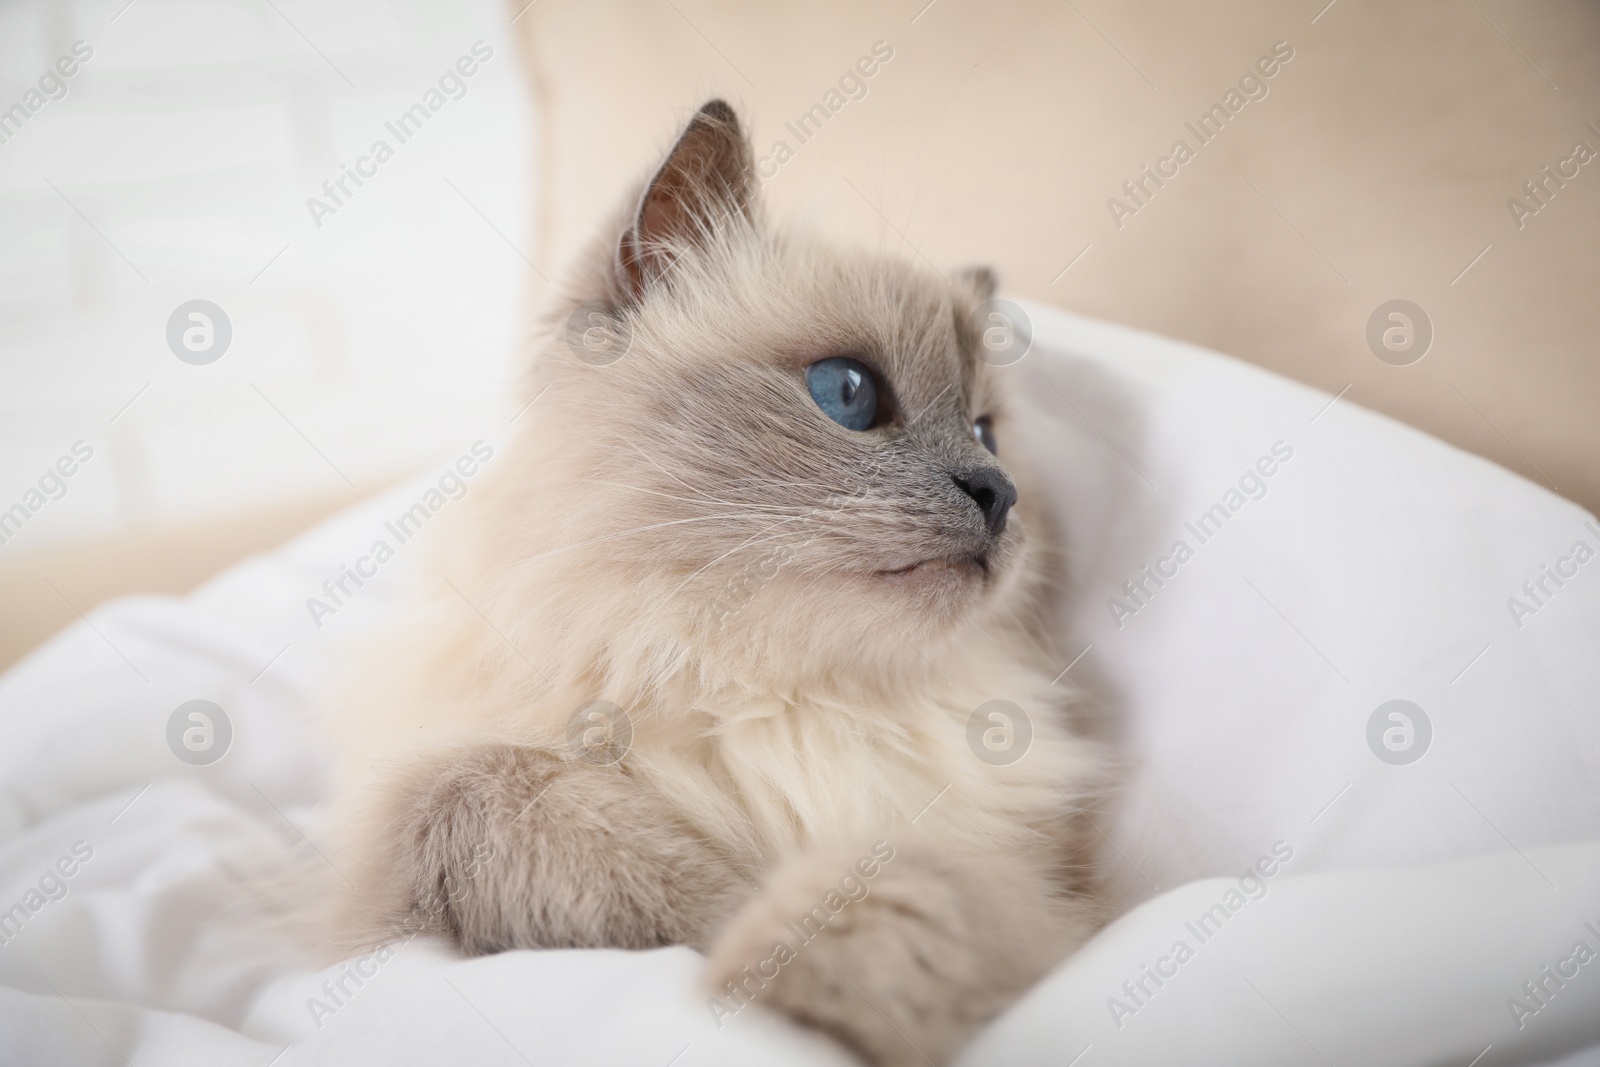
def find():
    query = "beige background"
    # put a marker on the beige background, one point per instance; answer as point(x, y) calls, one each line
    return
point(1378, 167)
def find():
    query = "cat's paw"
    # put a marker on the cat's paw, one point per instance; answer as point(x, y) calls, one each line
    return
point(899, 954)
point(502, 846)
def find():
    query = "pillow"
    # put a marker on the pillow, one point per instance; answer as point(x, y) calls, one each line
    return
point(1353, 563)
point(1319, 636)
point(1428, 964)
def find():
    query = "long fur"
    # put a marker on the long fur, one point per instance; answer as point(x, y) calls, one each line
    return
point(681, 533)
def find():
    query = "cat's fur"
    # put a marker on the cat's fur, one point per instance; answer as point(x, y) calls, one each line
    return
point(684, 534)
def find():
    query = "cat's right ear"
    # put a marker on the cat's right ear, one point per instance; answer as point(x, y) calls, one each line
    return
point(704, 183)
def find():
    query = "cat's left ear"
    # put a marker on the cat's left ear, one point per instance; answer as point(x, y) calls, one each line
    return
point(971, 286)
point(970, 289)
point(704, 183)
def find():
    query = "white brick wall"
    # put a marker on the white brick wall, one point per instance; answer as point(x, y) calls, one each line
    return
point(191, 140)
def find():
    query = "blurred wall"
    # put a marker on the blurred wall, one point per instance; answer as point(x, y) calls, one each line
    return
point(180, 160)
point(161, 152)
point(176, 163)
point(1377, 166)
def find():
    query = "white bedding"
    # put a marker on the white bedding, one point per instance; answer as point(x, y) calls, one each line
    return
point(1407, 904)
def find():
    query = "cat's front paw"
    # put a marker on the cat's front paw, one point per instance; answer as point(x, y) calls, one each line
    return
point(898, 954)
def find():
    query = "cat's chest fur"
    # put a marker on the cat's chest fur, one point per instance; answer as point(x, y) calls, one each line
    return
point(767, 775)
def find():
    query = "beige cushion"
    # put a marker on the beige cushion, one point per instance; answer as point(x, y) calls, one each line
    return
point(1378, 167)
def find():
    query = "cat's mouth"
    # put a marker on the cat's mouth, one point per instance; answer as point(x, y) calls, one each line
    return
point(962, 565)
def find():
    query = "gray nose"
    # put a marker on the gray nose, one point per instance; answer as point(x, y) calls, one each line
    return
point(992, 491)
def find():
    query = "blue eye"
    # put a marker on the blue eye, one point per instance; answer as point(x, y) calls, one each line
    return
point(845, 390)
point(983, 430)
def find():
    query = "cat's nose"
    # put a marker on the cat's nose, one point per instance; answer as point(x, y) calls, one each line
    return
point(992, 491)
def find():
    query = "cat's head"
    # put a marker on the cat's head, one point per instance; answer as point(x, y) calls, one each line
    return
point(776, 451)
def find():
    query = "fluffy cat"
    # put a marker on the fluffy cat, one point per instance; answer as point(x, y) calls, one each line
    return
point(702, 648)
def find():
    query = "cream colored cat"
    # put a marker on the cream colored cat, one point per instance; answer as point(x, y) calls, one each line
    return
point(703, 646)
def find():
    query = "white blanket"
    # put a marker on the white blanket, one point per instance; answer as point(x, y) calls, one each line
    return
point(1421, 886)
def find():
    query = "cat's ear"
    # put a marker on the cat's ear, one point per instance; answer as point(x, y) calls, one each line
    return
point(970, 289)
point(973, 285)
point(704, 183)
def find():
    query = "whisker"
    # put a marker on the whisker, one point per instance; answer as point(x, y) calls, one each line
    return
point(725, 555)
point(823, 573)
point(692, 500)
point(652, 461)
point(622, 533)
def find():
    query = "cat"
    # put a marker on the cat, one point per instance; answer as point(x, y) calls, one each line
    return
point(706, 654)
